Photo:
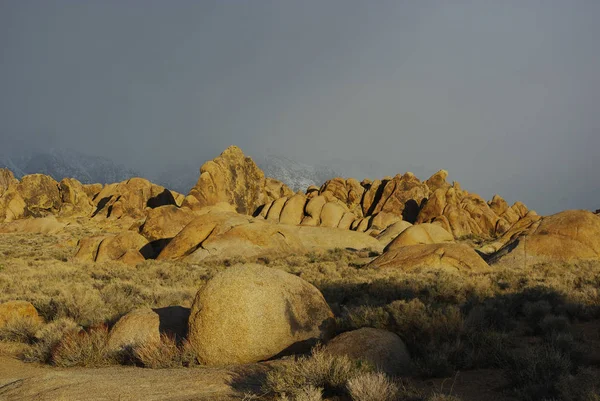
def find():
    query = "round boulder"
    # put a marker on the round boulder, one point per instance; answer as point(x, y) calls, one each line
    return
point(18, 310)
point(425, 233)
point(382, 348)
point(252, 313)
point(145, 324)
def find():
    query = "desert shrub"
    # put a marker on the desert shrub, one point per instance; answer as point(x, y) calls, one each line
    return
point(159, 354)
point(306, 393)
point(165, 353)
point(82, 304)
point(372, 387)
point(535, 373)
point(20, 329)
point(47, 338)
point(85, 348)
point(319, 370)
point(481, 349)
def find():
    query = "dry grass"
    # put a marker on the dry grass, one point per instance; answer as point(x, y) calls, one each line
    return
point(449, 321)
point(20, 329)
point(319, 370)
point(85, 348)
point(372, 387)
point(165, 353)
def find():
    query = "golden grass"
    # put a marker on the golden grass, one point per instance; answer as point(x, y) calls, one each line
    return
point(448, 320)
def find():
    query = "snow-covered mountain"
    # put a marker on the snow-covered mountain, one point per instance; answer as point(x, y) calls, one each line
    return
point(297, 176)
point(60, 164)
point(181, 177)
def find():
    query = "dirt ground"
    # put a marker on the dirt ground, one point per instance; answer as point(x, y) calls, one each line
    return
point(21, 381)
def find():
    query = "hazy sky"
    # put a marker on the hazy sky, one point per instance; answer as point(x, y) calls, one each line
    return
point(503, 94)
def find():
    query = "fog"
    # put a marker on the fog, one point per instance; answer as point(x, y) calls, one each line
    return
point(504, 95)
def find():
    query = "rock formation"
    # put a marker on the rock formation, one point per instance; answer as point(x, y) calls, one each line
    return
point(130, 199)
point(234, 178)
point(16, 311)
point(224, 235)
point(568, 236)
point(128, 247)
point(383, 349)
point(252, 313)
point(446, 256)
point(146, 325)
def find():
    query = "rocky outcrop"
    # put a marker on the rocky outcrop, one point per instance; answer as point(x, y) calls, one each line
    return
point(12, 205)
point(568, 236)
point(374, 206)
point(252, 313)
point(236, 179)
point(383, 349)
point(130, 199)
point(128, 247)
point(225, 235)
point(447, 256)
point(165, 222)
point(41, 194)
point(7, 180)
point(75, 200)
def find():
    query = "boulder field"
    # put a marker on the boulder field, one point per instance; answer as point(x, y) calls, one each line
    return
point(234, 210)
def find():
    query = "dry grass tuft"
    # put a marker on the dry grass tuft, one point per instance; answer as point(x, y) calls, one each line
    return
point(165, 353)
point(319, 370)
point(372, 387)
point(20, 329)
point(306, 393)
point(83, 348)
point(47, 338)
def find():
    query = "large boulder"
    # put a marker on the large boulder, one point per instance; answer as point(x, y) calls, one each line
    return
point(16, 311)
point(383, 349)
point(236, 179)
point(348, 191)
point(293, 210)
point(115, 247)
point(402, 195)
point(75, 200)
point(41, 194)
point(130, 198)
point(12, 204)
point(165, 222)
point(393, 231)
point(567, 236)
point(450, 256)
point(7, 180)
point(128, 247)
point(248, 314)
point(195, 233)
point(146, 325)
point(421, 234)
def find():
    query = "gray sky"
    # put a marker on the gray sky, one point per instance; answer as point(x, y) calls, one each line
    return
point(503, 94)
